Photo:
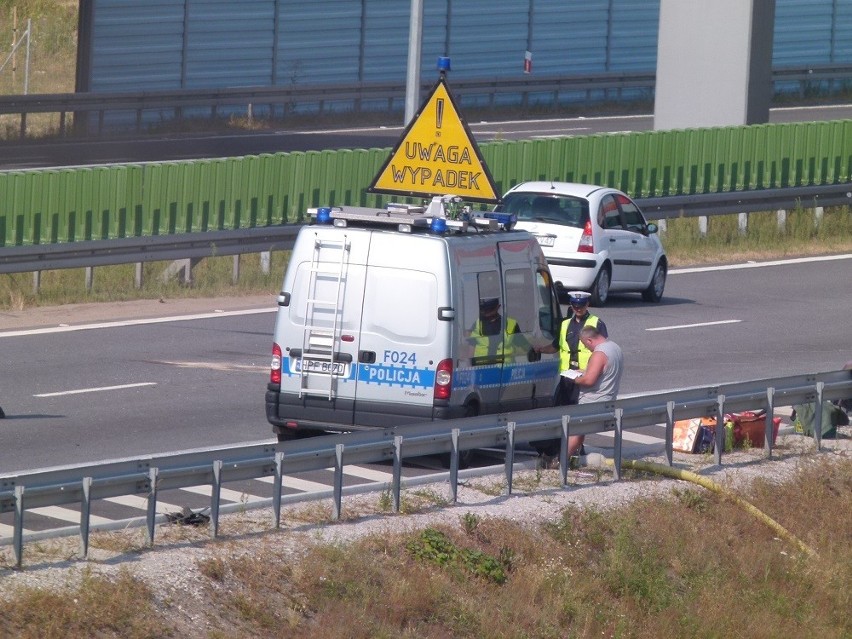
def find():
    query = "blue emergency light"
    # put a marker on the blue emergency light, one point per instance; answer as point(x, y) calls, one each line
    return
point(438, 225)
point(324, 215)
point(444, 64)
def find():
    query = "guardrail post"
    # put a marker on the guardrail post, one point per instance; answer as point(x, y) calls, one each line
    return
point(276, 489)
point(338, 482)
point(781, 216)
point(151, 515)
point(85, 511)
point(616, 452)
point(702, 225)
point(454, 464)
point(719, 435)
point(90, 278)
point(820, 388)
point(214, 498)
point(18, 534)
point(138, 276)
point(510, 455)
point(235, 270)
point(742, 223)
point(770, 415)
point(563, 450)
point(397, 472)
point(669, 432)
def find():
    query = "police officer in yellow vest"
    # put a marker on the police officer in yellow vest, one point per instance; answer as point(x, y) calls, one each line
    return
point(490, 346)
point(573, 355)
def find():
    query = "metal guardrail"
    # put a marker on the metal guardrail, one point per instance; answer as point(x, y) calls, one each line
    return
point(22, 259)
point(81, 484)
point(286, 97)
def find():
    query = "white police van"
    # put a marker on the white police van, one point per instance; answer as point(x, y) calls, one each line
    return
point(379, 320)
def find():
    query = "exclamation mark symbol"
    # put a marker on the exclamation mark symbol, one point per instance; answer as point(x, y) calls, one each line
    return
point(439, 115)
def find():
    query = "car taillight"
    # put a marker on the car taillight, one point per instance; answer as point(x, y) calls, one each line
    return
point(444, 379)
point(587, 244)
point(275, 371)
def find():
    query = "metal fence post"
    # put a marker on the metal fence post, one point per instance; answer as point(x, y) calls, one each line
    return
point(276, 489)
point(454, 464)
point(719, 439)
point(820, 388)
point(770, 415)
point(669, 432)
point(563, 451)
point(151, 514)
point(338, 482)
point(85, 512)
point(397, 472)
point(510, 455)
point(18, 534)
point(214, 498)
point(619, 432)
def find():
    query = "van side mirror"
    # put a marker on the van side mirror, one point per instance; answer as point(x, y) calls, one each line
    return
point(652, 228)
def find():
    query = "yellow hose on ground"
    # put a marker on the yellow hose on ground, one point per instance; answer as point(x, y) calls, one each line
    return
point(716, 488)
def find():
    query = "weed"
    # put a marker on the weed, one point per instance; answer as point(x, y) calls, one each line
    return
point(470, 522)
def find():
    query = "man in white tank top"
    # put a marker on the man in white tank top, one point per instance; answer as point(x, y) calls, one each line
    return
point(601, 377)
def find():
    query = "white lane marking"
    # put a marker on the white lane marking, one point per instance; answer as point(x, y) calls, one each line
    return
point(215, 366)
point(9, 531)
point(135, 501)
point(671, 328)
point(365, 473)
point(302, 485)
point(95, 390)
point(136, 322)
point(732, 267)
point(66, 514)
point(235, 496)
point(630, 436)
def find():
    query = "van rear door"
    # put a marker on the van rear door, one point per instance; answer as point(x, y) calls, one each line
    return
point(401, 339)
point(320, 330)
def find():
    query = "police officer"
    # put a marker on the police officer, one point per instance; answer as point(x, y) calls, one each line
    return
point(573, 355)
point(490, 347)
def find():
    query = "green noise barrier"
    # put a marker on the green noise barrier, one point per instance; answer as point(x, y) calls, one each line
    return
point(99, 203)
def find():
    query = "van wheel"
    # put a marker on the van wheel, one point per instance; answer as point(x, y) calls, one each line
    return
point(654, 292)
point(600, 288)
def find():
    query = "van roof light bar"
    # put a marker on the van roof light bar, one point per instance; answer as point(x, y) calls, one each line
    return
point(408, 217)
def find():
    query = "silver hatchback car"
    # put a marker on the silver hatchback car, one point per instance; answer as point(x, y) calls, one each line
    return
point(595, 238)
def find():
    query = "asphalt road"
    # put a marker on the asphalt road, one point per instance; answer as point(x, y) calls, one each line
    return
point(44, 154)
point(132, 388)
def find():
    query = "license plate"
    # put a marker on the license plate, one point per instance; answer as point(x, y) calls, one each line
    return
point(317, 366)
point(546, 240)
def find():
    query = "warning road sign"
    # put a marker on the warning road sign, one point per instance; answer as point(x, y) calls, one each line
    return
point(437, 155)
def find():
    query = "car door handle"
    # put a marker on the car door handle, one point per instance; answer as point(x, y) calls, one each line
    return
point(634, 241)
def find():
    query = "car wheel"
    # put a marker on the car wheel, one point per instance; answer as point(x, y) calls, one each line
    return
point(654, 292)
point(600, 289)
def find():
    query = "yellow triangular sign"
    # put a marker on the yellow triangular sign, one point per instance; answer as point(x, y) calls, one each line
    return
point(437, 155)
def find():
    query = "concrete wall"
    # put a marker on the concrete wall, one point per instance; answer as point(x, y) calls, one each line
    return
point(714, 63)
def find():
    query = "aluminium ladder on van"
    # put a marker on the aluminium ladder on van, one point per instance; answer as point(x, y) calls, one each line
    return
point(321, 339)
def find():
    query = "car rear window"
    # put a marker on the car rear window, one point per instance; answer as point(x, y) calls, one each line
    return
point(547, 208)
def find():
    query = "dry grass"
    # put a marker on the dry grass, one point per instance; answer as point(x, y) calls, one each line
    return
point(688, 565)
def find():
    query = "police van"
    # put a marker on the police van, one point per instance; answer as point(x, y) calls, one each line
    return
point(407, 314)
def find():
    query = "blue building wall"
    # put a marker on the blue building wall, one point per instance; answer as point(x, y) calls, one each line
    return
point(171, 44)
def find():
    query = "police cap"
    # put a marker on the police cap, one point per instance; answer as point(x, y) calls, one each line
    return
point(578, 298)
point(489, 304)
